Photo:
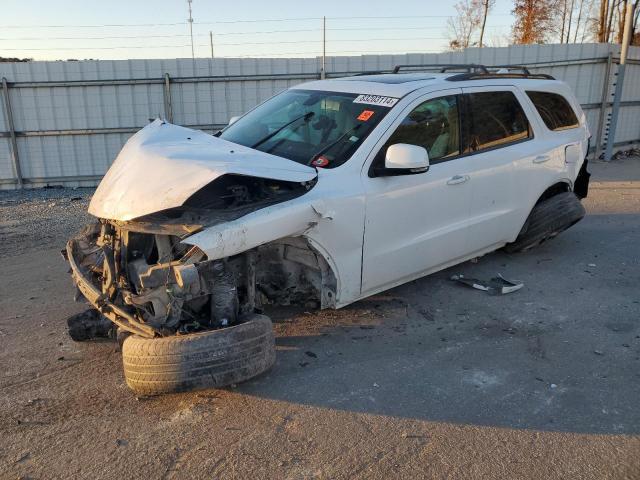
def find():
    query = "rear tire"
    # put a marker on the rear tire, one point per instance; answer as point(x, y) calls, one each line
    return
point(199, 360)
point(547, 219)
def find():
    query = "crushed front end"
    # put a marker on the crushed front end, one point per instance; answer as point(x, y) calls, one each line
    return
point(151, 284)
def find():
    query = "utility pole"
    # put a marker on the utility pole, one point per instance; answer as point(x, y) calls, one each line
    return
point(484, 20)
point(615, 110)
point(211, 40)
point(323, 72)
point(190, 20)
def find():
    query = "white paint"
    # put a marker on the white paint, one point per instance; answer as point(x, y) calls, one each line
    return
point(375, 233)
point(163, 164)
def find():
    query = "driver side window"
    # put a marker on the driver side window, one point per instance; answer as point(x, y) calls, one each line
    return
point(433, 125)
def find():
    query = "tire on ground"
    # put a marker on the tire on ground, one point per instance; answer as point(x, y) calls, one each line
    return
point(200, 360)
point(547, 219)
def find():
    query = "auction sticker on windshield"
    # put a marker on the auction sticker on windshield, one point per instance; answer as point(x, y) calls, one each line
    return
point(376, 100)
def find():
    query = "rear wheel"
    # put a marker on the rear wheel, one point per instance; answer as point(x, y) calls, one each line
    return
point(547, 219)
point(199, 360)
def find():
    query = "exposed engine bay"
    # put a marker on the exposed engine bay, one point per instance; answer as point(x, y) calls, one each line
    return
point(144, 278)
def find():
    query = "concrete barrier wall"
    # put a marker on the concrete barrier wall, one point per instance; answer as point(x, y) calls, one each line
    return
point(70, 119)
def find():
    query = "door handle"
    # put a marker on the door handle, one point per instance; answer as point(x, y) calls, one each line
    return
point(457, 179)
point(541, 159)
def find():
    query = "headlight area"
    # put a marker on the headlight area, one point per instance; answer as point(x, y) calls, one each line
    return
point(151, 284)
point(144, 276)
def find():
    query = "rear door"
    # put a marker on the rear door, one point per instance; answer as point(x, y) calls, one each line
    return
point(499, 143)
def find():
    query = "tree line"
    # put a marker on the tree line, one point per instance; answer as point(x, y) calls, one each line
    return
point(544, 21)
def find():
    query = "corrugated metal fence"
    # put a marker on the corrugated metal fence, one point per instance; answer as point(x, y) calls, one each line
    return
point(70, 119)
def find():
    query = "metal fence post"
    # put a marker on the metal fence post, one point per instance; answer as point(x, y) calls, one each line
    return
point(168, 110)
point(615, 110)
point(323, 71)
point(12, 133)
point(603, 104)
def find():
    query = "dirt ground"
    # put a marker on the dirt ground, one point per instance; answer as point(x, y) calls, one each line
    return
point(429, 380)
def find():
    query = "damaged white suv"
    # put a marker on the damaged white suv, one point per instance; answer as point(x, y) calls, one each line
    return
point(326, 193)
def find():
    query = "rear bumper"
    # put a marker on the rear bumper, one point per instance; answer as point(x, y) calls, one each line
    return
point(581, 185)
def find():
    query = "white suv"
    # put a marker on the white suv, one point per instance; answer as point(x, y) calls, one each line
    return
point(326, 193)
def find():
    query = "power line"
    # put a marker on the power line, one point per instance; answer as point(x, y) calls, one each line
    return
point(97, 26)
point(337, 52)
point(129, 37)
point(230, 44)
point(96, 38)
point(96, 48)
point(335, 40)
point(224, 22)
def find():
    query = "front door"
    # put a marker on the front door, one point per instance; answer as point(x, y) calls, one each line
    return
point(417, 223)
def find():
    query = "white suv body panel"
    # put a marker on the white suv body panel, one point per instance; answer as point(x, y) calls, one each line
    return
point(376, 233)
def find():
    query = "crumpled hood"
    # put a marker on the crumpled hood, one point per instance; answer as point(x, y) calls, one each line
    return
point(162, 165)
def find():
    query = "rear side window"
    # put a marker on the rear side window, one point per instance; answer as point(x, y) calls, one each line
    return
point(554, 109)
point(495, 119)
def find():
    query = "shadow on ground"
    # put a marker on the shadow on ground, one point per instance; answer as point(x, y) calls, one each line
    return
point(562, 354)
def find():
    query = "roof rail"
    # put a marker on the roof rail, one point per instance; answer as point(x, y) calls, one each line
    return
point(370, 72)
point(469, 67)
point(493, 75)
point(478, 72)
point(524, 69)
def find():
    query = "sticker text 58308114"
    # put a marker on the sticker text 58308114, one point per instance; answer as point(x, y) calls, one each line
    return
point(376, 100)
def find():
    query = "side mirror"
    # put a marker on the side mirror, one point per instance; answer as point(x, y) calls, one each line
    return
point(233, 120)
point(404, 159)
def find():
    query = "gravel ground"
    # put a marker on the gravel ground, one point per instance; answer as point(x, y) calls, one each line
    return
point(41, 218)
point(428, 380)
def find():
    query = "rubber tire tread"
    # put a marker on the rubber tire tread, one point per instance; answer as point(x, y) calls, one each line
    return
point(547, 219)
point(195, 361)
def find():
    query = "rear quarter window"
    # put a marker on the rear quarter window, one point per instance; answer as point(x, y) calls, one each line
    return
point(555, 110)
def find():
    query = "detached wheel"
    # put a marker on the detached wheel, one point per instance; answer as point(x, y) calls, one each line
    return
point(547, 219)
point(200, 360)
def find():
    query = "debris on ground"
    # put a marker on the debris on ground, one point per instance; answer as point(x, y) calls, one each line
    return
point(632, 152)
point(496, 286)
point(89, 325)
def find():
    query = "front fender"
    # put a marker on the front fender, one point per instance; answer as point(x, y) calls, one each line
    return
point(255, 229)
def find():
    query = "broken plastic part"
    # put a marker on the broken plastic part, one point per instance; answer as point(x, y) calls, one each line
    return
point(496, 286)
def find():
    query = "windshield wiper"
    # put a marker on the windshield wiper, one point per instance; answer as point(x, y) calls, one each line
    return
point(306, 117)
point(334, 143)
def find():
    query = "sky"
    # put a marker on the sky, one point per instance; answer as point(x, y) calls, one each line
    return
point(120, 29)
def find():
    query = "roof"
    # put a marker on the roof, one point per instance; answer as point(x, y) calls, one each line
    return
point(386, 84)
point(398, 85)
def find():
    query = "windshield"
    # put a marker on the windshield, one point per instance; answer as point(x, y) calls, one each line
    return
point(322, 129)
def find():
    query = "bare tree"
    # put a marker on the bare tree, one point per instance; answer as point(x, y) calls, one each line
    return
point(622, 17)
point(635, 35)
point(534, 20)
point(564, 19)
point(602, 21)
point(471, 18)
point(570, 18)
point(487, 5)
point(578, 22)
